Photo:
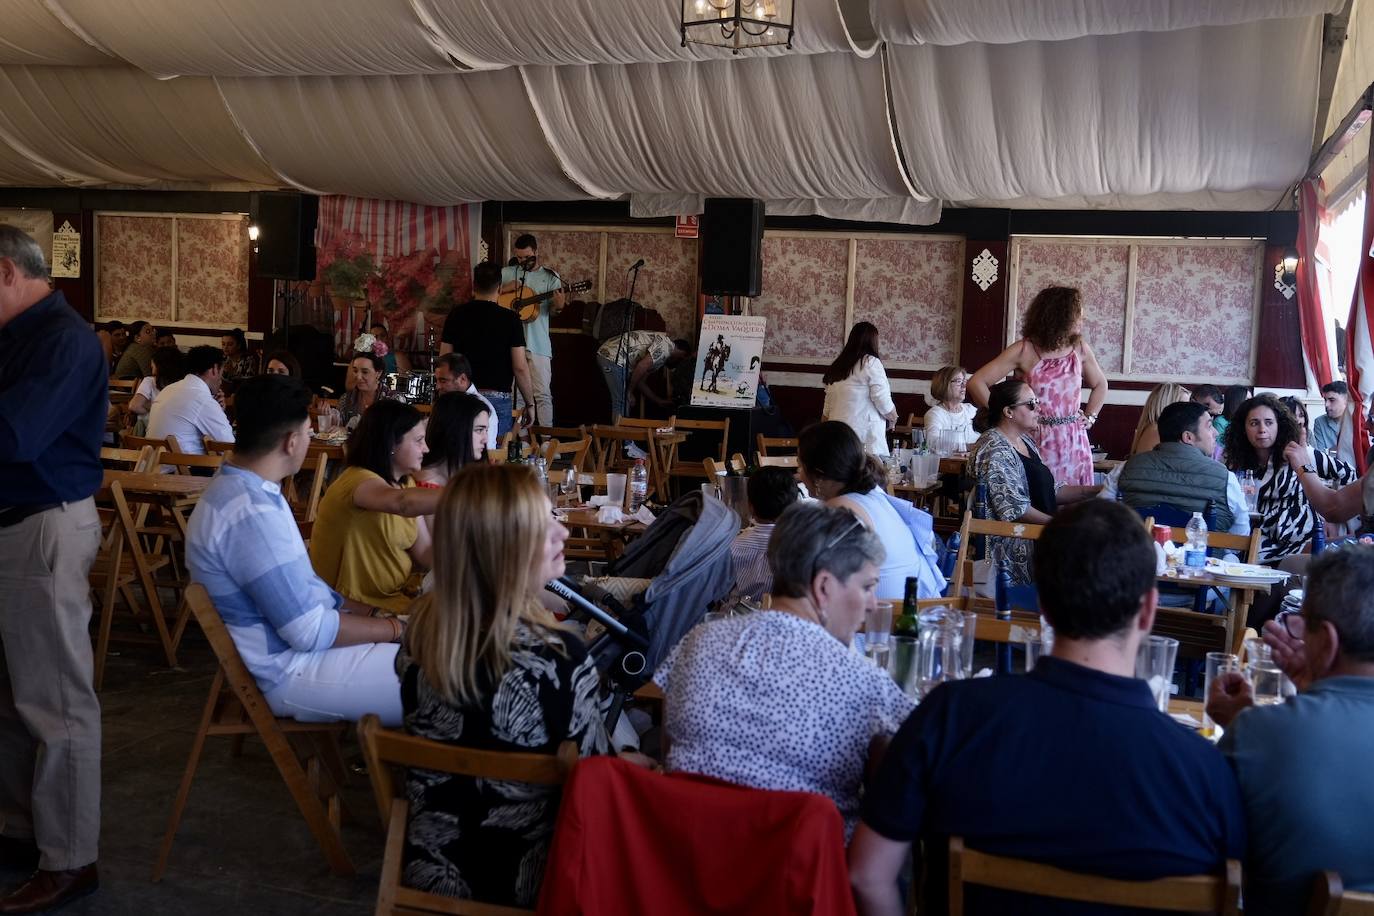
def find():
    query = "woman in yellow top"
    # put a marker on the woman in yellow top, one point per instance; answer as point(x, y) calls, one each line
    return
point(366, 538)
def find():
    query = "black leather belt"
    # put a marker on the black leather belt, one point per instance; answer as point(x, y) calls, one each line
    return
point(13, 515)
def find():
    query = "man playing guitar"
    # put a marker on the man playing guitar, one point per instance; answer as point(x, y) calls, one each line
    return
point(528, 272)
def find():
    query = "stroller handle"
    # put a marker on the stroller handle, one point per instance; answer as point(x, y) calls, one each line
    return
point(568, 592)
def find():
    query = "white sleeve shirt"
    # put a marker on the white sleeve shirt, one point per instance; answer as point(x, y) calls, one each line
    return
point(187, 410)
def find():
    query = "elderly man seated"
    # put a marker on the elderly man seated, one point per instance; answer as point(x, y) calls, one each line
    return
point(1304, 765)
point(1072, 765)
point(316, 655)
point(775, 699)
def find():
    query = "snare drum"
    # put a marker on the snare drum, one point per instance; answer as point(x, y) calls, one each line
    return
point(412, 387)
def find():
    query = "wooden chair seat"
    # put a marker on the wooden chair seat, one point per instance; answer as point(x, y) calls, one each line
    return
point(384, 749)
point(1192, 894)
point(306, 754)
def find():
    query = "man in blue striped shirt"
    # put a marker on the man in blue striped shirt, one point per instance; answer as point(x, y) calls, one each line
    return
point(771, 490)
point(316, 655)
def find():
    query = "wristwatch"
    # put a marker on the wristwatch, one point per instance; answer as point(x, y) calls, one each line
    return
point(1308, 469)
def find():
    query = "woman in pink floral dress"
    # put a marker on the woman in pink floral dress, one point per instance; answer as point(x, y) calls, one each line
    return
point(1056, 362)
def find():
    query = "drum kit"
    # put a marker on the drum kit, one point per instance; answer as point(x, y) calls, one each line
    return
point(412, 387)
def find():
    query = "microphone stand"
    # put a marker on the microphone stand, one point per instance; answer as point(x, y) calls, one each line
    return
point(624, 332)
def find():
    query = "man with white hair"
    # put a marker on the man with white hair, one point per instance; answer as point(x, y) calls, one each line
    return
point(54, 395)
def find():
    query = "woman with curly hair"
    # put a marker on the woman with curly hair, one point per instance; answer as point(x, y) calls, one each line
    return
point(1260, 431)
point(1055, 361)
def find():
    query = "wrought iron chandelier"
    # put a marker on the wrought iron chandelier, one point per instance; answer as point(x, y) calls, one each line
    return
point(737, 24)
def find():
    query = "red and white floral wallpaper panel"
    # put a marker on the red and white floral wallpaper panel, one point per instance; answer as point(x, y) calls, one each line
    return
point(911, 289)
point(575, 255)
point(668, 280)
point(212, 271)
point(804, 281)
point(1099, 270)
point(1194, 310)
point(133, 260)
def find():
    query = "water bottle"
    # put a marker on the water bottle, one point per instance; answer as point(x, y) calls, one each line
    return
point(513, 454)
point(1195, 553)
point(639, 485)
point(541, 468)
point(1318, 536)
point(1250, 487)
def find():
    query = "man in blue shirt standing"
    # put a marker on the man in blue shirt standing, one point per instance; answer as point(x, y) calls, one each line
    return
point(54, 395)
point(1072, 765)
point(1304, 765)
point(538, 347)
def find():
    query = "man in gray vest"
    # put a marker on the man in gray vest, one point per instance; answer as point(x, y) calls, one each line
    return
point(1180, 470)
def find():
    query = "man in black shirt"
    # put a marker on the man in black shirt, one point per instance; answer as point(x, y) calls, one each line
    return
point(54, 394)
point(493, 340)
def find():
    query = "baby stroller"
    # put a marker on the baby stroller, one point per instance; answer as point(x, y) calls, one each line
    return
point(659, 589)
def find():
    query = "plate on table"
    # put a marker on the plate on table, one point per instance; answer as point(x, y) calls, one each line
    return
point(1248, 573)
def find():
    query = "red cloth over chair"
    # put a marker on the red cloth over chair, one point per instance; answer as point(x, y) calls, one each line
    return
point(630, 841)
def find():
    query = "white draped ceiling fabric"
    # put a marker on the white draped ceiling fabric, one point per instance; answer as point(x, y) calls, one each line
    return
point(882, 109)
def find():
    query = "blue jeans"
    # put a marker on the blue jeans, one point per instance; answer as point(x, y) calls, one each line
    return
point(615, 381)
point(502, 404)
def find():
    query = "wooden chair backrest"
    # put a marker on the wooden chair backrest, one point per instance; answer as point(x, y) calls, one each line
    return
point(609, 444)
point(738, 464)
point(720, 426)
point(1193, 893)
point(124, 384)
point(129, 440)
point(1330, 898)
point(713, 468)
point(317, 481)
point(913, 421)
point(972, 527)
point(777, 461)
point(643, 423)
point(185, 463)
point(131, 459)
point(214, 447)
point(775, 442)
point(1246, 546)
point(575, 453)
point(561, 433)
point(385, 749)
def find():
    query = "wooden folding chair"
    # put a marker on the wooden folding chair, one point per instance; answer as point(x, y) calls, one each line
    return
point(567, 454)
point(121, 565)
point(543, 434)
point(184, 463)
point(236, 707)
point(777, 461)
point(974, 527)
point(774, 442)
point(694, 429)
point(1330, 898)
point(385, 750)
point(1193, 894)
point(129, 440)
point(609, 442)
point(215, 447)
point(738, 464)
point(130, 459)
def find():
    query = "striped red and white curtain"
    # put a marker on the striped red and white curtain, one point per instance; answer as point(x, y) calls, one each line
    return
point(1312, 261)
point(1359, 332)
point(386, 228)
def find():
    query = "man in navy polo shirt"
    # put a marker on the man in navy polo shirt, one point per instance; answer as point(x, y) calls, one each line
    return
point(54, 394)
point(1071, 765)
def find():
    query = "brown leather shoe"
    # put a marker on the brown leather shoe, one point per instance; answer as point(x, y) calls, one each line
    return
point(48, 890)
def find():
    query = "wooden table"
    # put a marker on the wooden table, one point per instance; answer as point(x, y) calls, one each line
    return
point(1243, 596)
point(919, 497)
point(172, 489)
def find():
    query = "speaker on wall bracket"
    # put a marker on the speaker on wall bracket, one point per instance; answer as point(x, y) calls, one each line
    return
point(732, 246)
point(286, 233)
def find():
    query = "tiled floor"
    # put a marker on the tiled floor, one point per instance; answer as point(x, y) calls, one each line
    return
point(242, 847)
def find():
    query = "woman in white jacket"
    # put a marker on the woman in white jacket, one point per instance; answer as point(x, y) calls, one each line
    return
point(857, 392)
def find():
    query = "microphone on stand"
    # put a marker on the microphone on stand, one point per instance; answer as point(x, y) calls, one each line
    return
point(637, 264)
point(513, 262)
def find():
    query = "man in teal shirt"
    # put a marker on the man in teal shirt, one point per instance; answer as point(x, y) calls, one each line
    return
point(527, 271)
point(1304, 765)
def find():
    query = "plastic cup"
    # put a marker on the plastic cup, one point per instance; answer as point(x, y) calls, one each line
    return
point(615, 489)
point(1036, 648)
point(1154, 662)
point(1217, 663)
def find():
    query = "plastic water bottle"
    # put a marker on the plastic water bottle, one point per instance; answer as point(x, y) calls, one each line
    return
point(1250, 487)
point(1195, 553)
point(639, 485)
point(541, 468)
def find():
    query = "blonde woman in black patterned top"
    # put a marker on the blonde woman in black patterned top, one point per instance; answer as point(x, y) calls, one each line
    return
point(1260, 431)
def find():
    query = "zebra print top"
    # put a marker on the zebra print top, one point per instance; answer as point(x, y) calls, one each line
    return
point(1286, 517)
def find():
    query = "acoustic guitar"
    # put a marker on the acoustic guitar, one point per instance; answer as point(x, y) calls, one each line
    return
point(525, 301)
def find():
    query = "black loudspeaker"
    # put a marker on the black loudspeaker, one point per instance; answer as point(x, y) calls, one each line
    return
point(732, 247)
point(286, 234)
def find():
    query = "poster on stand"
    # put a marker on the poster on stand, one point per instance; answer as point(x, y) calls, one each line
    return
point(729, 355)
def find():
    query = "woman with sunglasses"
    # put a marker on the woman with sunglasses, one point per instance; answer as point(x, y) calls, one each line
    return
point(1020, 487)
